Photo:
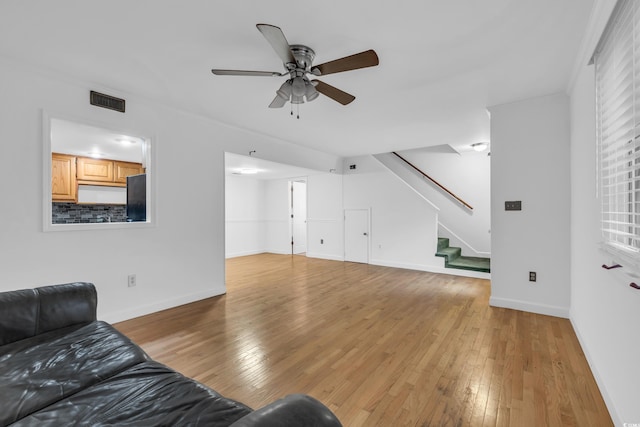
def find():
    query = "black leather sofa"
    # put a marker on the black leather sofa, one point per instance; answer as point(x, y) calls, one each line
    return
point(60, 366)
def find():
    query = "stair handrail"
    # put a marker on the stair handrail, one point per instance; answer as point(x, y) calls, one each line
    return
point(442, 187)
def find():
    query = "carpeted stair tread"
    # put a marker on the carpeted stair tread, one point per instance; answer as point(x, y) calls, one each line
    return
point(471, 263)
point(450, 253)
point(453, 258)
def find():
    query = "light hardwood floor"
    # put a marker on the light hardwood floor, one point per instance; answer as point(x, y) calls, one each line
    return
point(380, 346)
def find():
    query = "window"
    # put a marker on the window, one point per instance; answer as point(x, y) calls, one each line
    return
point(617, 71)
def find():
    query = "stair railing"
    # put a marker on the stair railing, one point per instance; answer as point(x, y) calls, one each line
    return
point(442, 187)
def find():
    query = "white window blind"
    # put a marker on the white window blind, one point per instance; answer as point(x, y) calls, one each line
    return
point(617, 70)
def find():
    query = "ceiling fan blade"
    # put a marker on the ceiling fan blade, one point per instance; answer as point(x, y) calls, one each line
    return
point(334, 93)
point(277, 102)
point(278, 41)
point(368, 58)
point(246, 73)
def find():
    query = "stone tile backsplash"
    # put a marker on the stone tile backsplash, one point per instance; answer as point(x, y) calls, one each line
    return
point(71, 213)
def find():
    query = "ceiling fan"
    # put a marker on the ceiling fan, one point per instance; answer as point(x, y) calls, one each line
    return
point(298, 62)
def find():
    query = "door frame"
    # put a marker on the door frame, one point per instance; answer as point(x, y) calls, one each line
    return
point(291, 213)
point(344, 228)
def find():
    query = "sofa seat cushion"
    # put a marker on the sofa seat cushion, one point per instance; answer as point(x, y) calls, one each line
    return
point(39, 371)
point(146, 394)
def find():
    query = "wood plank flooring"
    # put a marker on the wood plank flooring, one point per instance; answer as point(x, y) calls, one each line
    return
point(380, 346)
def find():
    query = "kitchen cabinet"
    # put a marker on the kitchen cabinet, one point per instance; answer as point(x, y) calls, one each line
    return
point(64, 187)
point(112, 173)
point(124, 169)
point(95, 170)
point(68, 171)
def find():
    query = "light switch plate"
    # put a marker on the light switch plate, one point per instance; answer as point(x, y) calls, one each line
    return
point(515, 205)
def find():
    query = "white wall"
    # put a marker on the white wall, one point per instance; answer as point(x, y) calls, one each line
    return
point(257, 216)
point(604, 309)
point(403, 225)
point(278, 202)
point(179, 260)
point(245, 220)
point(325, 217)
point(467, 175)
point(530, 162)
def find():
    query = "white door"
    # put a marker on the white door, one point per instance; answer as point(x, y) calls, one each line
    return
point(356, 235)
point(299, 216)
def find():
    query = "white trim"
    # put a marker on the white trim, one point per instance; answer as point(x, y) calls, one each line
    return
point(629, 260)
point(432, 269)
point(152, 142)
point(244, 253)
point(277, 252)
point(548, 310)
point(138, 311)
point(600, 13)
point(325, 256)
point(609, 402)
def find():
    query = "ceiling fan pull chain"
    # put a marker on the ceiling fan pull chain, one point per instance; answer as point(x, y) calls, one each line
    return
point(298, 108)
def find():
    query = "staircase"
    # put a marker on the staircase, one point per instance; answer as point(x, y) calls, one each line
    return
point(453, 258)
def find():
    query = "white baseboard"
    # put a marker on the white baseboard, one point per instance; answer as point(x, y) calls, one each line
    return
point(432, 269)
point(157, 306)
point(276, 251)
point(245, 253)
point(548, 310)
point(596, 375)
point(325, 256)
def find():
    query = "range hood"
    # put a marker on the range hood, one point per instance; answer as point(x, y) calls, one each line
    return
point(98, 194)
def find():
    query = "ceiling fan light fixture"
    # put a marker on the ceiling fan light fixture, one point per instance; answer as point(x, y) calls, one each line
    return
point(310, 92)
point(298, 87)
point(295, 99)
point(285, 90)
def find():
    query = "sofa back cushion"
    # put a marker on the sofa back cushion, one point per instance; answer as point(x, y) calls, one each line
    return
point(29, 312)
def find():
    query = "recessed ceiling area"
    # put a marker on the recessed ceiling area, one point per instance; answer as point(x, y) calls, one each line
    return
point(253, 167)
point(441, 63)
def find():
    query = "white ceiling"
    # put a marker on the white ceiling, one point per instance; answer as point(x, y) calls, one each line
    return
point(441, 62)
point(90, 141)
point(265, 170)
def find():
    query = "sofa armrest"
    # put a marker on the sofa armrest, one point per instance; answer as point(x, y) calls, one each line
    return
point(294, 410)
point(29, 312)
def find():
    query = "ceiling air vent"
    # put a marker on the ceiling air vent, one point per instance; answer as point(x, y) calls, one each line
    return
point(106, 101)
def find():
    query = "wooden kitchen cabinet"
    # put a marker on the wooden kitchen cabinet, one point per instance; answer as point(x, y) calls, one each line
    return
point(112, 173)
point(64, 187)
point(67, 172)
point(124, 169)
point(95, 170)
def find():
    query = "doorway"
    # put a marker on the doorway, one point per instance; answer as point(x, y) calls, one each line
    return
point(356, 235)
point(298, 216)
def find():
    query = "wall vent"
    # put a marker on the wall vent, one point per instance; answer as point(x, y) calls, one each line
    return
point(106, 101)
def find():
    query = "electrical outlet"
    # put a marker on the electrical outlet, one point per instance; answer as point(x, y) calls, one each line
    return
point(532, 276)
point(131, 280)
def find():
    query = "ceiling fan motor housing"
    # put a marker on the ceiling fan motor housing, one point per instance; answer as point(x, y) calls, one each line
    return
point(304, 56)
